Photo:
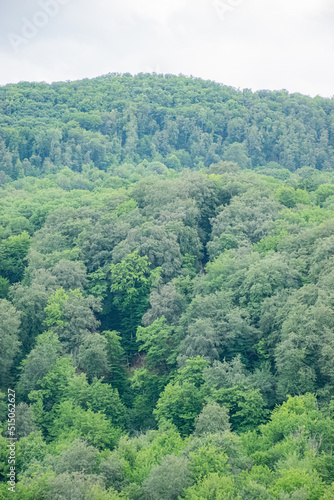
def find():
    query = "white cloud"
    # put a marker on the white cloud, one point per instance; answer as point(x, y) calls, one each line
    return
point(159, 11)
point(256, 44)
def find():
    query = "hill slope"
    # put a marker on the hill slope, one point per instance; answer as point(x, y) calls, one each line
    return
point(181, 121)
point(166, 313)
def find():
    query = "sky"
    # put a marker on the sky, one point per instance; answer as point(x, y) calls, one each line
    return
point(256, 44)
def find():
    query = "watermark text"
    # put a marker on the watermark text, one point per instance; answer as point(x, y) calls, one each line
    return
point(30, 28)
point(11, 429)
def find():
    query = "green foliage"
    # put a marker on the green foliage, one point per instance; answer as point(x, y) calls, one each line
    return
point(158, 342)
point(146, 388)
point(73, 422)
point(97, 396)
point(92, 355)
point(71, 316)
point(193, 371)
point(212, 419)
point(116, 361)
point(77, 458)
point(180, 404)
point(141, 454)
point(176, 274)
point(207, 460)
point(51, 392)
point(36, 487)
point(39, 362)
point(4, 454)
point(13, 251)
point(4, 287)
point(31, 450)
point(9, 340)
point(246, 406)
point(328, 492)
point(289, 197)
point(24, 420)
point(168, 480)
point(299, 412)
point(213, 487)
point(296, 479)
point(131, 282)
point(78, 485)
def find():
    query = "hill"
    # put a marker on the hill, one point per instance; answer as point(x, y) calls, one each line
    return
point(166, 292)
point(182, 122)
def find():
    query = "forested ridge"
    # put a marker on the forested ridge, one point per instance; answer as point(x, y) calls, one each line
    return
point(166, 290)
point(190, 123)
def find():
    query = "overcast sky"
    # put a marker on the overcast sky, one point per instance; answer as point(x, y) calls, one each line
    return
point(271, 44)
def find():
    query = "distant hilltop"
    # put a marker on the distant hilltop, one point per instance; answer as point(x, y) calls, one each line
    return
point(179, 121)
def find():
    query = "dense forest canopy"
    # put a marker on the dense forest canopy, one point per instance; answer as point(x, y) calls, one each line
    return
point(188, 122)
point(166, 290)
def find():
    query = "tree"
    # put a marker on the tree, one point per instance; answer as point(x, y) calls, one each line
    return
point(305, 343)
point(214, 327)
point(157, 243)
point(246, 406)
point(296, 414)
point(236, 153)
point(158, 341)
point(77, 485)
point(9, 340)
point(74, 422)
point(180, 404)
point(4, 465)
point(296, 479)
point(78, 457)
point(71, 316)
point(225, 374)
point(117, 363)
point(212, 285)
point(31, 302)
point(4, 287)
point(70, 275)
point(213, 487)
point(254, 491)
point(166, 301)
point(97, 396)
point(13, 251)
point(193, 371)
point(294, 374)
point(328, 492)
point(263, 278)
point(93, 356)
point(36, 487)
point(24, 420)
point(131, 283)
point(39, 362)
point(146, 388)
point(113, 471)
point(206, 460)
point(147, 450)
point(248, 218)
point(130, 280)
point(212, 420)
point(51, 392)
point(31, 450)
point(168, 480)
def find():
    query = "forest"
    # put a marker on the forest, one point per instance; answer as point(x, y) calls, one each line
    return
point(166, 291)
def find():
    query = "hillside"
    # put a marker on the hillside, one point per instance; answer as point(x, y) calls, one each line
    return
point(188, 123)
point(166, 291)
